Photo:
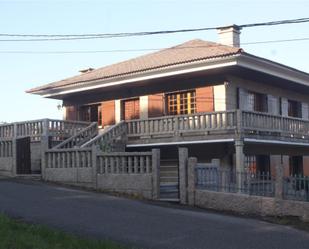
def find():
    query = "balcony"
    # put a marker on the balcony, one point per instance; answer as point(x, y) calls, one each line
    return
point(222, 125)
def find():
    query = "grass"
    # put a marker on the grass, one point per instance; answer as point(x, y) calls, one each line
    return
point(19, 235)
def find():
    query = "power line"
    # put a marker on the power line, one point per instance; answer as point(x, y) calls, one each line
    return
point(145, 49)
point(68, 37)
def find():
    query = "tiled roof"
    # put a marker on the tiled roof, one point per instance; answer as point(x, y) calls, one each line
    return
point(191, 51)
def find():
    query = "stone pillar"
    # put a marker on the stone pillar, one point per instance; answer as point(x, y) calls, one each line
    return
point(279, 179)
point(14, 157)
point(94, 167)
point(143, 103)
point(44, 145)
point(155, 174)
point(183, 178)
point(117, 111)
point(240, 162)
point(192, 161)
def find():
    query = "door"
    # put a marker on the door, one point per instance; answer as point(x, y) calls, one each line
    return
point(23, 156)
point(131, 109)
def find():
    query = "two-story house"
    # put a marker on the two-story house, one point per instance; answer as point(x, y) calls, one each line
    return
point(213, 98)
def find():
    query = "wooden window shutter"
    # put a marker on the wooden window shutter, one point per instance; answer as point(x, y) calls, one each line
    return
point(156, 105)
point(131, 109)
point(108, 112)
point(71, 113)
point(205, 99)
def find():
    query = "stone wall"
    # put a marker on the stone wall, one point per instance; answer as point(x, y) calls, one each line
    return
point(251, 205)
point(72, 176)
point(6, 166)
point(137, 184)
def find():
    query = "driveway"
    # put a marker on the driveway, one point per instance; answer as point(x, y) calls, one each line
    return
point(139, 223)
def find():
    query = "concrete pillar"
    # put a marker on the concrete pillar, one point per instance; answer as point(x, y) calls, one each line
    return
point(143, 107)
point(44, 145)
point(94, 166)
point(279, 179)
point(240, 162)
point(117, 111)
point(155, 174)
point(192, 161)
point(183, 178)
point(14, 156)
point(220, 97)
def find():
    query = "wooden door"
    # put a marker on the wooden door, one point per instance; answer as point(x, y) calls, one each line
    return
point(131, 109)
point(23, 156)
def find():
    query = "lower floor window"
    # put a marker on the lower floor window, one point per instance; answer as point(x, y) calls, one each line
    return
point(296, 165)
point(257, 164)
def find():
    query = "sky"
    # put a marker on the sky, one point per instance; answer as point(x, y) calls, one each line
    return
point(22, 71)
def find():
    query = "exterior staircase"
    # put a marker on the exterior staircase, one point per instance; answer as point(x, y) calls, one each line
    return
point(111, 139)
point(169, 181)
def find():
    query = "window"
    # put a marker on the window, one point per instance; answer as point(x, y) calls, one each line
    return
point(294, 108)
point(257, 164)
point(296, 165)
point(257, 102)
point(181, 103)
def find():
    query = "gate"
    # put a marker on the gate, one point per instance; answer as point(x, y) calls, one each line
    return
point(23, 156)
point(169, 179)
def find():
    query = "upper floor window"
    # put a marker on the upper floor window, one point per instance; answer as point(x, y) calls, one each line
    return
point(294, 109)
point(91, 113)
point(257, 102)
point(181, 102)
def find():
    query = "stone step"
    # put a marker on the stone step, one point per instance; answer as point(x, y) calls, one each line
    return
point(33, 177)
point(168, 174)
point(167, 179)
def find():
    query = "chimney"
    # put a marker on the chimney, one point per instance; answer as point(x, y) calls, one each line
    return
point(229, 35)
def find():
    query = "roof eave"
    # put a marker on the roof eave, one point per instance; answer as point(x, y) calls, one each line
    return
point(141, 76)
point(273, 68)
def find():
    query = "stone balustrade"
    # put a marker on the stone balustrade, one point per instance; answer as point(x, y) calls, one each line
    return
point(124, 163)
point(80, 138)
point(68, 158)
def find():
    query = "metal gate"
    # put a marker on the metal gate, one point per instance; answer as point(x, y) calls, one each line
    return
point(169, 179)
point(23, 156)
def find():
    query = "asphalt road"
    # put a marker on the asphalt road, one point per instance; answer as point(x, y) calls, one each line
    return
point(138, 223)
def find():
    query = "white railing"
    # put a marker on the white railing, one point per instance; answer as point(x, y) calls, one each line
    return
point(105, 139)
point(68, 158)
point(63, 128)
point(183, 123)
point(124, 163)
point(6, 130)
point(258, 121)
point(36, 128)
point(80, 138)
point(6, 148)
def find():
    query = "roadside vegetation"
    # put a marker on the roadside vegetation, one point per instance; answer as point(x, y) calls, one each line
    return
point(16, 234)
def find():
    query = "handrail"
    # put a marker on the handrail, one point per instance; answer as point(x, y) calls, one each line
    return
point(107, 135)
point(81, 137)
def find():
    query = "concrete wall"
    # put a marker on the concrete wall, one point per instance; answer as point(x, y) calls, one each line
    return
point(6, 166)
point(73, 176)
point(273, 95)
point(36, 150)
point(138, 184)
point(252, 205)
